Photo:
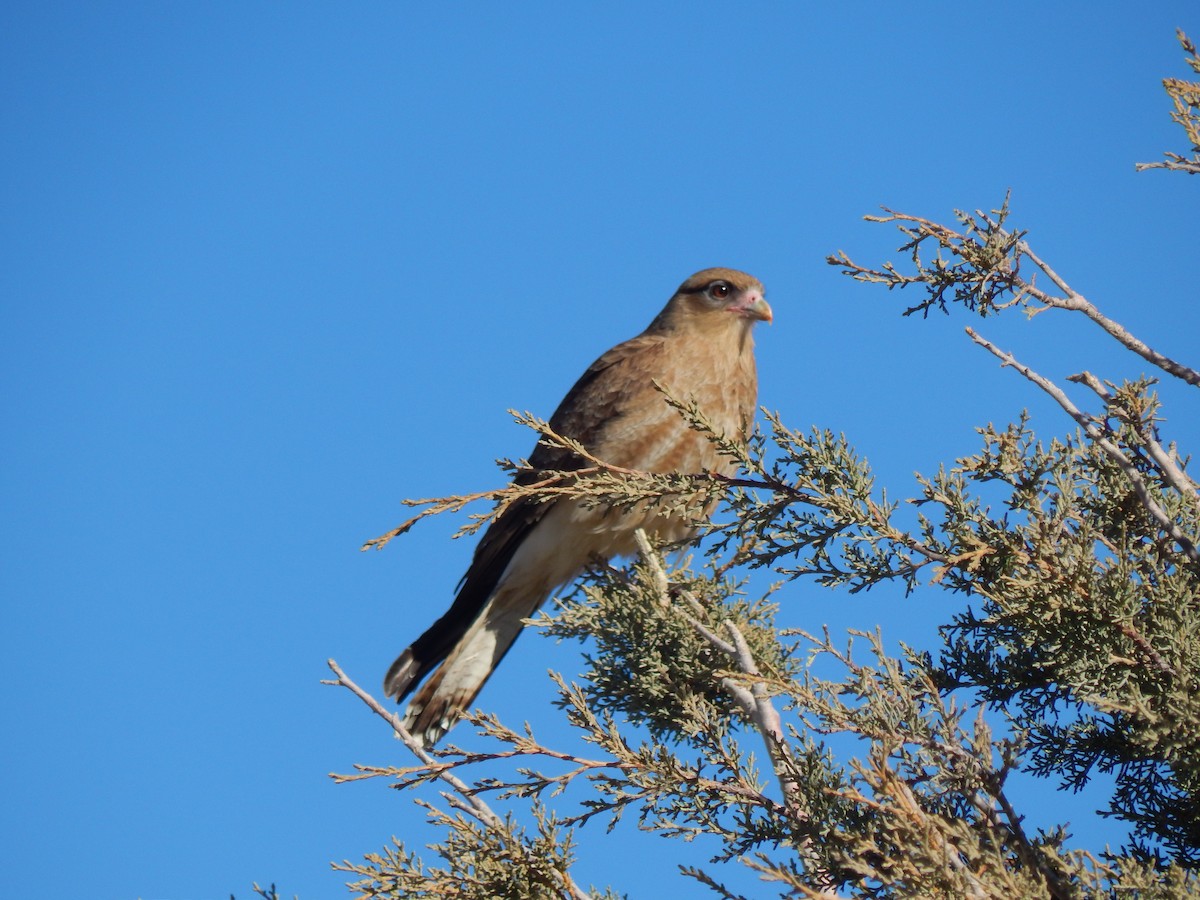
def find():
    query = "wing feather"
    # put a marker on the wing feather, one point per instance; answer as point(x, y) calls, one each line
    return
point(589, 409)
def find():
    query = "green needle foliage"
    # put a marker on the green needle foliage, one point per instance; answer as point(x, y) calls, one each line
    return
point(1072, 647)
point(651, 662)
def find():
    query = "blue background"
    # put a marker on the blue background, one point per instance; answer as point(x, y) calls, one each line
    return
point(270, 268)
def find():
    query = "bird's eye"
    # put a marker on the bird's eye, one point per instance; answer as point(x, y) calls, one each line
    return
point(719, 290)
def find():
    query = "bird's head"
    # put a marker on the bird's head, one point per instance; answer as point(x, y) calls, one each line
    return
point(728, 291)
point(716, 299)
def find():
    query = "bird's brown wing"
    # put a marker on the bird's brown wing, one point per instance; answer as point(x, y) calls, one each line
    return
point(617, 383)
point(590, 409)
point(699, 348)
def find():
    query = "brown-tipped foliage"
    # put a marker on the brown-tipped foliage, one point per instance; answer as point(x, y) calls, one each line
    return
point(1071, 646)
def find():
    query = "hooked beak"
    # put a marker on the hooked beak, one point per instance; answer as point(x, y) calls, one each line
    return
point(753, 306)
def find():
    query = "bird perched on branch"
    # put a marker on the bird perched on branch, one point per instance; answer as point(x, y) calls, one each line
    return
point(699, 348)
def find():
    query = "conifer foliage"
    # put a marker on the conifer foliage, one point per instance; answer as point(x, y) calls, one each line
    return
point(1074, 564)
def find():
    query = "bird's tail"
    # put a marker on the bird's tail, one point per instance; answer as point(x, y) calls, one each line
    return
point(467, 658)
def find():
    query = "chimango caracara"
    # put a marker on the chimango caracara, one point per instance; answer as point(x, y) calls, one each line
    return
point(700, 348)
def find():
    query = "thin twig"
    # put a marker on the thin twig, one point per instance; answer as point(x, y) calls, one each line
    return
point(1174, 162)
point(654, 564)
point(1057, 881)
point(1181, 481)
point(1076, 301)
point(1023, 289)
point(462, 796)
point(1147, 649)
point(755, 702)
point(777, 486)
point(479, 809)
point(570, 483)
point(1187, 544)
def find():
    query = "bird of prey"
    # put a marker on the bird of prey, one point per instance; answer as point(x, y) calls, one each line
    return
point(699, 347)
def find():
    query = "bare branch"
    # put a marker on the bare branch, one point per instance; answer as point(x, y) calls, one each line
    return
point(461, 797)
point(1186, 543)
point(478, 808)
point(755, 701)
point(654, 563)
point(1073, 300)
point(1166, 462)
point(989, 272)
point(1173, 162)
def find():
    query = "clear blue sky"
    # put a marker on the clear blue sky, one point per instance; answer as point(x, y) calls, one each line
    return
point(270, 268)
